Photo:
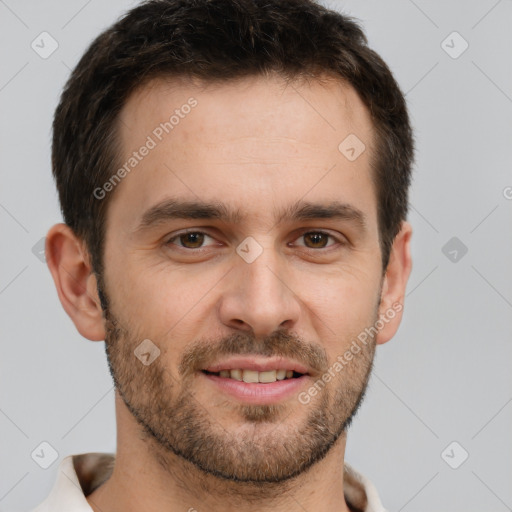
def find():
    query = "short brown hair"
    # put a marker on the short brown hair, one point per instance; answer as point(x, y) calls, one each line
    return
point(219, 40)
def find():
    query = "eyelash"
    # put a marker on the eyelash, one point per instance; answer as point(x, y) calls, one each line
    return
point(200, 249)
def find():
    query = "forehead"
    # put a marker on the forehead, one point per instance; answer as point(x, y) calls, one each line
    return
point(334, 103)
point(252, 143)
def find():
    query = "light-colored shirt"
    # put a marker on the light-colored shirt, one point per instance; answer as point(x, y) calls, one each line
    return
point(79, 475)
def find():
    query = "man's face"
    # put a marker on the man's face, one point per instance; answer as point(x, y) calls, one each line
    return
point(266, 284)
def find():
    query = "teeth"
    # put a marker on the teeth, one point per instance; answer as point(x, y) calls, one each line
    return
point(267, 376)
point(252, 376)
point(235, 374)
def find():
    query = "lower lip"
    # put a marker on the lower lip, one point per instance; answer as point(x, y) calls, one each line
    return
point(257, 393)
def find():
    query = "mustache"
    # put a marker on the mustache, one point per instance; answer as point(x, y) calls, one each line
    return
point(201, 354)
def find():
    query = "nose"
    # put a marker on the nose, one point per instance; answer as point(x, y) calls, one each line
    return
point(259, 296)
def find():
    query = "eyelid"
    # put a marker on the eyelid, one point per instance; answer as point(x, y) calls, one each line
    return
point(169, 240)
point(339, 240)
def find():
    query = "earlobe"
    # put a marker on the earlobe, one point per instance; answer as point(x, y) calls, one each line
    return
point(75, 282)
point(394, 285)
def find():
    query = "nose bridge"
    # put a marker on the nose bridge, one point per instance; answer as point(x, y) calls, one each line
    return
point(260, 278)
point(260, 298)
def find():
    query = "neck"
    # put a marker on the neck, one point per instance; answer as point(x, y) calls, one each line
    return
point(146, 478)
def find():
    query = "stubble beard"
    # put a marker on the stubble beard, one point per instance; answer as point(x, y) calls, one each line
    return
point(269, 446)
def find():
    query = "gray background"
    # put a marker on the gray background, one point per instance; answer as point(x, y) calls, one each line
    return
point(444, 377)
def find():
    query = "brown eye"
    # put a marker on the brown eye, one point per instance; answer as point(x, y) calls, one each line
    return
point(191, 240)
point(317, 239)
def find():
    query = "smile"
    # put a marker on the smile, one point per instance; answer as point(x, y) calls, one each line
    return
point(253, 376)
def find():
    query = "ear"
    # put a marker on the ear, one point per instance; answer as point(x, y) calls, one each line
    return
point(394, 284)
point(68, 261)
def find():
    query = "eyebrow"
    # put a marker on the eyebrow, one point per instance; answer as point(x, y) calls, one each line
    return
point(169, 209)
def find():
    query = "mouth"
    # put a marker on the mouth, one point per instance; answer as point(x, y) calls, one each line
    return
point(254, 376)
point(257, 380)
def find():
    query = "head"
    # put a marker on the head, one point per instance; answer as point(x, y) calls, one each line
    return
point(233, 177)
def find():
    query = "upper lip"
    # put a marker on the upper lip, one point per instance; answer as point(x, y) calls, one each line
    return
point(259, 364)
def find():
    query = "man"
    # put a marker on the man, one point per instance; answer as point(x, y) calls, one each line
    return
point(233, 176)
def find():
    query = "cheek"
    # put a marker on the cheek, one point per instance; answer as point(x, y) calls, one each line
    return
point(160, 301)
point(342, 304)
